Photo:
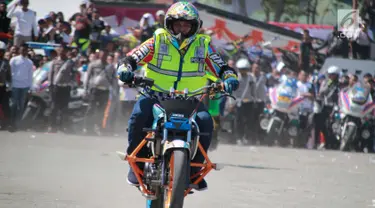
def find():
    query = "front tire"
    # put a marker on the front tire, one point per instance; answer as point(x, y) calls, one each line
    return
point(348, 138)
point(179, 172)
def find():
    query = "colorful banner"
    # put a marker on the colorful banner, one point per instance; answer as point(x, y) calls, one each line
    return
point(225, 29)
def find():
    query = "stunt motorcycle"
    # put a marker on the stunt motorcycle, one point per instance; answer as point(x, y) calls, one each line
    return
point(174, 141)
point(283, 123)
point(355, 110)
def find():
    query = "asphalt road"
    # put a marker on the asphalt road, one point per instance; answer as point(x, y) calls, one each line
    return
point(57, 170)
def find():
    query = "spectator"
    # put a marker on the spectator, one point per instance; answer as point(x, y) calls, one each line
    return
point(5, 79)
point(60, 79)
point(63, 31)
point(60, 17)
point(22, 79)
point(258, 98)
point(116, 58)
point(306, 90)
point(50, 30)
point(97, 26)
point(4, 22)
point(82, 33)
point(7, 56)
point(273, 78)
point(43, 26)
point(106, 36)
point(368, 12)
point(110, 59)
point(361, 43)
point(101, 77)
point(306, 49)
point(146, 25)
point(25, 24)
point(243, 96)
point(82, 68)
point(338, 44)
point(53, 17)
point(353, 79)
point(160, 19)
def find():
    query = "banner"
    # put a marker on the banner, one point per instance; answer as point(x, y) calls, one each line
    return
point(226, 26)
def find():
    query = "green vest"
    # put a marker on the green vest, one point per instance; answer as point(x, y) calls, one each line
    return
point(171, 69)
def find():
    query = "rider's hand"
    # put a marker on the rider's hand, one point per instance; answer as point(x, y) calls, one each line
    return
point(126, 76)
point(230, 85)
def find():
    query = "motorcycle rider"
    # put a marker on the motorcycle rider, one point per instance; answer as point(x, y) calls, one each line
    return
point(5, 78)
point(176, 56)
point(328, 97)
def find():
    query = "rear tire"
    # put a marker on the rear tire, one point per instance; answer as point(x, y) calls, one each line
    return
point(179, 173)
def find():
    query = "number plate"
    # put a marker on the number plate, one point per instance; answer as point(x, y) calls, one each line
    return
point(283, 99)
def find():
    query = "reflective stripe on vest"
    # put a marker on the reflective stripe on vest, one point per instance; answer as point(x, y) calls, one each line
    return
point(175, 73)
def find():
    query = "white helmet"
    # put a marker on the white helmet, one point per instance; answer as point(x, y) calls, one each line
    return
point(333, 70)
point(3, 46)
point(243, 63)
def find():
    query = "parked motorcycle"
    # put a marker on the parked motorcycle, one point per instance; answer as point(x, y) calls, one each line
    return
point(355, 112)
point(38, 106)
point(174, 141)
point(284, 121)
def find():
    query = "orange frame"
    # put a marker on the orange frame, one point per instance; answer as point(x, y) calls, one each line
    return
point(133, 159)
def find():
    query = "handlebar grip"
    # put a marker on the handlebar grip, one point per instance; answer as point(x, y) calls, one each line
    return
point(143, 81)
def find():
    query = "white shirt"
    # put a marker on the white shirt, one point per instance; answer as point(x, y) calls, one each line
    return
point(22, 72)
point(25, 21)
point(307, 104)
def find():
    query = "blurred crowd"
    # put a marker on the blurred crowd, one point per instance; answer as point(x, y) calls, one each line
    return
point(84, 53)
point(88, 50)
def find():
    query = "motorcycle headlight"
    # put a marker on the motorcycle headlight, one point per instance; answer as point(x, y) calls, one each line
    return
point(365, 134)
point(293, 131)
point(264, 123)
point(335, 126)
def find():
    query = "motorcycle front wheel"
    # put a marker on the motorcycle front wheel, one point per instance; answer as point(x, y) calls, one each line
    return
point(348, 138)
point(178, 174)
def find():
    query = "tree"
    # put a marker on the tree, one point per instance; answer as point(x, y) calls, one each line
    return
point(243, 7)
point(278, 8)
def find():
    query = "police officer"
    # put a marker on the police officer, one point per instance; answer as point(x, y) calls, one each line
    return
point(328, 97)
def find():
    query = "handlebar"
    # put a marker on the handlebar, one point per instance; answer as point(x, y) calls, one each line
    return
point(217, 87)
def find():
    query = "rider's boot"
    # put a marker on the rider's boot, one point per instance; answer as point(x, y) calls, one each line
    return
point(139, 118)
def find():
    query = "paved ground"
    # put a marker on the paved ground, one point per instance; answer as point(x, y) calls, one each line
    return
point(47, 171)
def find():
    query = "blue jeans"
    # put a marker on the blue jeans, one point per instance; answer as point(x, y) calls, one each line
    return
point(18, 104)
point(141, 117)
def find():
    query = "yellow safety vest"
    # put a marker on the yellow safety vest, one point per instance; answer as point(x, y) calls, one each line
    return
point(171, 69)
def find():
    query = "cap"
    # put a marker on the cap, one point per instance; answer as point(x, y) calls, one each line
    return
point(160, 12)
point(146, 15)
